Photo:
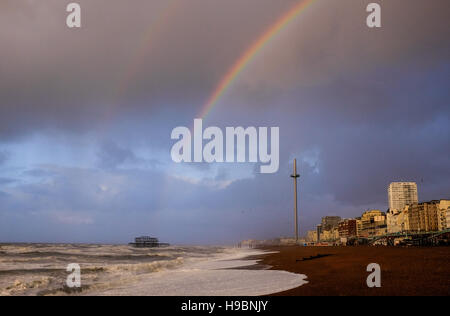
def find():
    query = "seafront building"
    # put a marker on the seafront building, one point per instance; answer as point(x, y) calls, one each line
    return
point(420, 217)
point(373, 223)
point(447, 218)
point(444, 214)
point(330, 222)
point(330, 235)
point(318, 232)
point(401, 194)
point(328, 229)
point(311, 236)
point(428, 216)
point(347, 228)
point(392, 221)
point(358, 226)
point(397, 221)
point(404, 216)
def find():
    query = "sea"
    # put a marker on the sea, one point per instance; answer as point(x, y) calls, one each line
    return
point(41, 269)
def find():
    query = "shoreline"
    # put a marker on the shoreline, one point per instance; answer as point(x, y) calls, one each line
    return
point(219, 275)
point(342, 270)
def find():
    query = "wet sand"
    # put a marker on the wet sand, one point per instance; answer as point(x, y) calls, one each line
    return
point(404, 271)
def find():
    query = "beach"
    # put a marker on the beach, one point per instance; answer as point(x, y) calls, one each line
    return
point(40, 269)
point(342, 270)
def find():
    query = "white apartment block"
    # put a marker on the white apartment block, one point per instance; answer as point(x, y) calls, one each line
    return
point(401, 194)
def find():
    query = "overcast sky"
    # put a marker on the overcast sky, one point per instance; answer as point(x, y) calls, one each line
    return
point(86, 115)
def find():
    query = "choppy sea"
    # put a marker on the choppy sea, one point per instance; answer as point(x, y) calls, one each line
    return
point(40, 269)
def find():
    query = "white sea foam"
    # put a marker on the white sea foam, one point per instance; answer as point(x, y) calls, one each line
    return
point(27, 284)
point(212, 277)
point(146, 267)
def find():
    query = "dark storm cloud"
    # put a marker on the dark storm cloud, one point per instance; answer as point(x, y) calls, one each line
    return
point(146, 55)
point(128, 56)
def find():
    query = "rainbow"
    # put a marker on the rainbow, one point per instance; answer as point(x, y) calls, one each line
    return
point(250, 53)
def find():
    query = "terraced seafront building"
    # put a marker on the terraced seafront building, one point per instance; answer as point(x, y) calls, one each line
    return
point(444, 214)
point(429, 216)
point(373, 223)
point(347, 228)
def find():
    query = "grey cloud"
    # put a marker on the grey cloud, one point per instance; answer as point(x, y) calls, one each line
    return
point(133, 59)
point(117, 60)
point(112, 155)
point(4, 156)
point(7, 180)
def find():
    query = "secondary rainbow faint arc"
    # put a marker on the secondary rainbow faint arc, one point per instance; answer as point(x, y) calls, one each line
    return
point(152, 31)
point(251, 52)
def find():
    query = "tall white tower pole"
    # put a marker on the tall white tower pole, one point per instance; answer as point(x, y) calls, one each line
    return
point(295, 176)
